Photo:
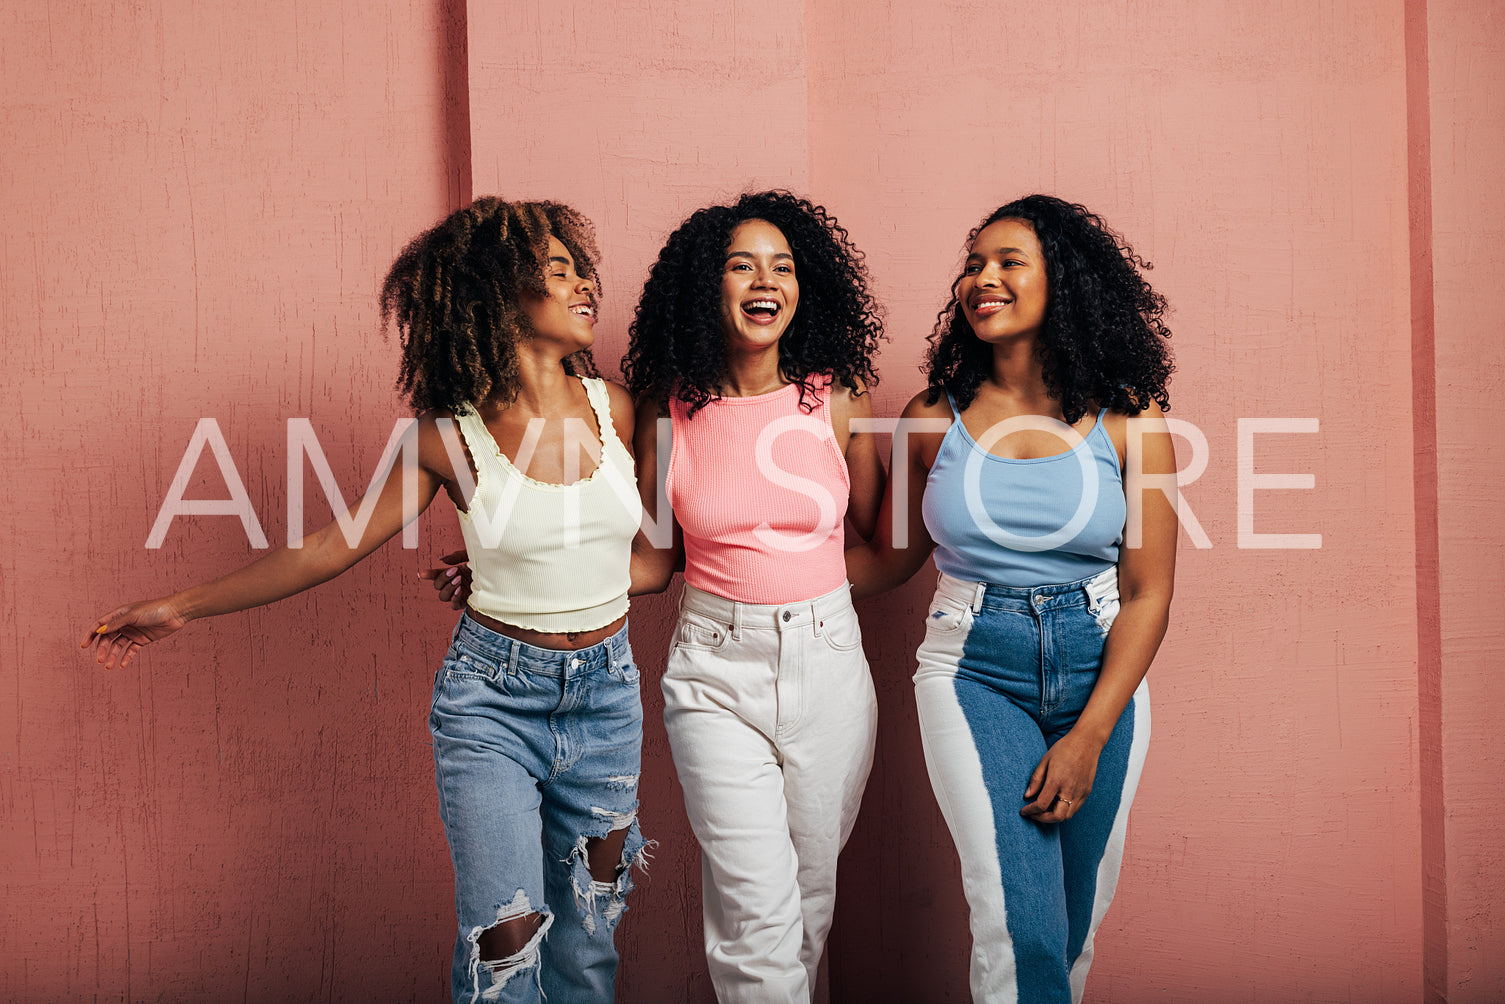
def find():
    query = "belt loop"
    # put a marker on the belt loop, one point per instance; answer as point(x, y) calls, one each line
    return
point(982, 589)
point(736, 621)
point(512, 654)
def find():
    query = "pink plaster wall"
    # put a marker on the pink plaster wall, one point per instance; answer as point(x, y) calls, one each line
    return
point(198, 204)
point(1466, 44)
point(1257, 156)
point(640, 113)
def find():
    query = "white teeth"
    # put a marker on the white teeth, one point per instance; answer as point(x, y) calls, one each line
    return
point(584, 310)
point(769, 304)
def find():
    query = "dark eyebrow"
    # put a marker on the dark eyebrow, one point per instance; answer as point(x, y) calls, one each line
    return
point(748, 254)
point(562, 261)
point(979, 254)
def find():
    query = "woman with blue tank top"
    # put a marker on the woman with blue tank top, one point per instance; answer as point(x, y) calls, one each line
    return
point(1047, 378)
point(536, 715)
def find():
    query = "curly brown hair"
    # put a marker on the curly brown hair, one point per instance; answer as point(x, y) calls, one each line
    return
point(1104, 340)
point(677, 344)
point(455, 292)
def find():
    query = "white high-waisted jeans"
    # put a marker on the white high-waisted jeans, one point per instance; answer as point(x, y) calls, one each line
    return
point(771, 716)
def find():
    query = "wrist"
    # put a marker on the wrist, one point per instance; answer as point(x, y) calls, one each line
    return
point(1090, 730)
point(183, 606)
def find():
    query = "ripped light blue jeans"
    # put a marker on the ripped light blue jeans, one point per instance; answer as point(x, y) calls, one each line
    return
point(536, 753)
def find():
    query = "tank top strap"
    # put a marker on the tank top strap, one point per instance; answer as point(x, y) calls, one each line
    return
point(600, 401)
point(956, 413)
point(1108, 449)
point(478, 441)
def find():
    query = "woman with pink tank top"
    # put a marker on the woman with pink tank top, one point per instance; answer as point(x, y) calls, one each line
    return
point(754, 339)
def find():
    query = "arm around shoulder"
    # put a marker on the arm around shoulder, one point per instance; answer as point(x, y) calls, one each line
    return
point(851, 418)
point(901, 542)
point(658, 547)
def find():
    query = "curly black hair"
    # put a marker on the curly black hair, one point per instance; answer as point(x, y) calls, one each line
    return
point(455, 293)
point(677, 345)
point(1103, 341)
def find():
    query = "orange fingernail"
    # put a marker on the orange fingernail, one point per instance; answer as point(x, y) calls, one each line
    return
point(100, 629)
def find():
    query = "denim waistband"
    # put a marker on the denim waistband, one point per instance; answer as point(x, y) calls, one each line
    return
point(741, 616)
point(480, 642)
point(1089, 592)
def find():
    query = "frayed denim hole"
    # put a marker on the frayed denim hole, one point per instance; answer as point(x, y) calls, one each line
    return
point(501, 971)
point(607, 899)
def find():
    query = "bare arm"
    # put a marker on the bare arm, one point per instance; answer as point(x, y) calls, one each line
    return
point(652, 567)
point(860, 447)
point(281, 573)
point(896, 552)
point(1146, 577)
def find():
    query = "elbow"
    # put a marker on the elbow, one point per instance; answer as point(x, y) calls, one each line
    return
point(658, 582)
point(1147, 596)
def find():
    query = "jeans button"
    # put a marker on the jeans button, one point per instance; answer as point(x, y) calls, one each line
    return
point(787, 615)
point(1039, 601)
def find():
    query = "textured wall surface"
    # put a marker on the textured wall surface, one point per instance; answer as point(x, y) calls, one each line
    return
point(1466, 45)
point(639, 113)
point(1257, 157)
point(198, 202)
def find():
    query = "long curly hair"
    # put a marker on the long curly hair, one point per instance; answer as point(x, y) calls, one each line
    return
point(1103, 340)
point(677, 345)
point(455, 293)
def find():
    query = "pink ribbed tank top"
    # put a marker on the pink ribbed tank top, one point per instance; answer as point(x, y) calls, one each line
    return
point(760, 489)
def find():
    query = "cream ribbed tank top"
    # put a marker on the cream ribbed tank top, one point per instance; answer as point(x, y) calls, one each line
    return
point(551, 557)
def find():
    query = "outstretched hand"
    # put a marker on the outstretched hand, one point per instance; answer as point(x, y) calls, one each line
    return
point(452, 584)
point(1063, 780)
point(119, 634)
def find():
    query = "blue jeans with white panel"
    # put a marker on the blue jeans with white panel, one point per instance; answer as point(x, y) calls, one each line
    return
point(1004, 672)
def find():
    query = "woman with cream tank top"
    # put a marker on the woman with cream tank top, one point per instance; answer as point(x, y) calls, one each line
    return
point(536, 716)
point(753, 340)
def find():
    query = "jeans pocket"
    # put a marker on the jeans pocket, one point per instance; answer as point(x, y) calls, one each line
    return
point(1106, 613)
point(697, 631)
point(461, 664)
point(626, 670)
point(946, 615)
point(841, 631)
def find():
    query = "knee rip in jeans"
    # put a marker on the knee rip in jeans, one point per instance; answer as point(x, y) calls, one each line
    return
point(601, 866)
point(515, 936)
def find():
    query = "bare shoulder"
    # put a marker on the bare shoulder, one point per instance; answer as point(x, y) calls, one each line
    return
point(432, 428)
point(650, 408)
point(1150, 422)
point(847, 402)
point(623, 412)
point(920, 406)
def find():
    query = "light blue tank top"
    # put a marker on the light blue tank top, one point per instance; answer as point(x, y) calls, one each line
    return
point(1029, 522)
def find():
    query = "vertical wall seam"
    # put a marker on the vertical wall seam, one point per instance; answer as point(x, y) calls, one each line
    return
point(454, 95)
point(809, 125)
point(1429, 667)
